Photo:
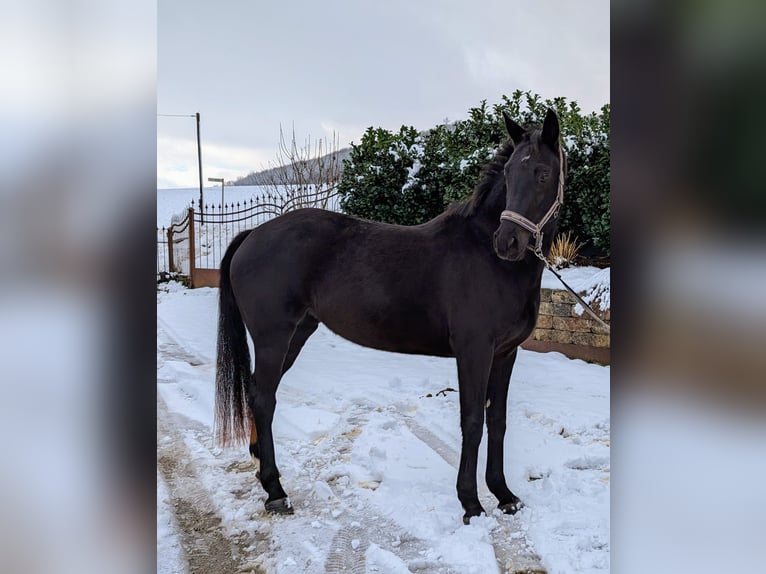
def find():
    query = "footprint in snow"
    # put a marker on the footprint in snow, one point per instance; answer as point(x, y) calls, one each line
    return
point(588, 463)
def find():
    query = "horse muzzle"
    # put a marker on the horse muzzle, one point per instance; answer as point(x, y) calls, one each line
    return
point(510, 242)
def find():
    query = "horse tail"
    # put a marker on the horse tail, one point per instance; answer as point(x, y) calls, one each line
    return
point(232, 373)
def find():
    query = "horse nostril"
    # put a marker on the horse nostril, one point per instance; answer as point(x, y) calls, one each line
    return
point(512, 241)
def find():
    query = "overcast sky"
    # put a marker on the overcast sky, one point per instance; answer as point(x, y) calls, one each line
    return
point(340, 66)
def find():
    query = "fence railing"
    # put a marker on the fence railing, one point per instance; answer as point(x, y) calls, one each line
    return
point(192, 247)
point(172, 245)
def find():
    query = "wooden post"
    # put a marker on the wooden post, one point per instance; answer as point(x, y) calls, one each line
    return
point(170, 250)
point(191, 246)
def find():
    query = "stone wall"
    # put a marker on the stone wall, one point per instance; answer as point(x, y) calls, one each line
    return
point(560, 328)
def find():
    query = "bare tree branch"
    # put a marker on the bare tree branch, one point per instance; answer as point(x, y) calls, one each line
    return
point(304, 176)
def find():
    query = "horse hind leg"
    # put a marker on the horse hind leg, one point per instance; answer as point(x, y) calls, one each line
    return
point(272, 360)
point(305, 329)
point(269, 356)
point(253, 448)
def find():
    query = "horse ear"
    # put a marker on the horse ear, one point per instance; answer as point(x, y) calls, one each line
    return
point(514, 130)
point(551, 130)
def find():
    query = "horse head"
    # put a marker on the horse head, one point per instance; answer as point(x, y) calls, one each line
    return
point(534, 189)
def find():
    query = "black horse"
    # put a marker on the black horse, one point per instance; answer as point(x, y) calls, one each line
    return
point(465, 284)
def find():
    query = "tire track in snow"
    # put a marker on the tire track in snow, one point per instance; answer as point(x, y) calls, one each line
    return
point(348, 547)
point(171, 346)
point(512, 550)
point(361, 524)
point(207, 548)
point(348, 551)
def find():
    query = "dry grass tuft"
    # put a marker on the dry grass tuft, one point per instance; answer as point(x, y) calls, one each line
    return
point(564, 250)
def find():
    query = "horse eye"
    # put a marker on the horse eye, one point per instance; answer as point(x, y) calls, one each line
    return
point(544, 176)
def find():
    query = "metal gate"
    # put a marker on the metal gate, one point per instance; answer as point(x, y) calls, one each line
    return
point(191, 249)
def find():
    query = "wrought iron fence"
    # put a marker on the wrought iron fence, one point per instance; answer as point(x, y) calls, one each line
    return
point(172, 248)
point(194, 244)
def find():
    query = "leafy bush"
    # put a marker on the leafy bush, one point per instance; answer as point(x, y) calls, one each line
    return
point(380, 179)
point(408, 178)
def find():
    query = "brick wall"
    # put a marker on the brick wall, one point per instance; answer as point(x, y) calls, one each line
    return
point(560, 328)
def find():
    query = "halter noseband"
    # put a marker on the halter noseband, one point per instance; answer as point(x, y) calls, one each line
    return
point(536, 229)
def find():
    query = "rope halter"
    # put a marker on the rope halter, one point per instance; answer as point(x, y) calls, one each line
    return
point(536, 229)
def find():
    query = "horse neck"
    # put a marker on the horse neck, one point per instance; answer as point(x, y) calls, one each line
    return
point(486, 215)
point(486, 219)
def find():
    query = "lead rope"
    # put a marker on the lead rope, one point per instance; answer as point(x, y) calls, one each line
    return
point(539, 252)
point(587, 307)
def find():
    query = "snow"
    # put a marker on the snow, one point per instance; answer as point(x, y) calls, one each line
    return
point(597, 291)
point(412, 173)
point(369, 459)
point(170, 559)
point(592, 283)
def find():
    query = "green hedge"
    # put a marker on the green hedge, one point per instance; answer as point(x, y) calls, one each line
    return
point(410, 177)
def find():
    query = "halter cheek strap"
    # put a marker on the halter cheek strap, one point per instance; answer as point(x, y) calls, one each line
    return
point(536, 229)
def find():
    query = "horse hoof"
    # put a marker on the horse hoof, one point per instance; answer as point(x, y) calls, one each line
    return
point(468, 515)
point(279, 506)
point(511, 507)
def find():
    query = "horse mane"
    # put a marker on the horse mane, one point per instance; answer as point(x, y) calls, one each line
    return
point(487, 181)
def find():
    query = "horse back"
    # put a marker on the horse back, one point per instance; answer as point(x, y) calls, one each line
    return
point(372, 283)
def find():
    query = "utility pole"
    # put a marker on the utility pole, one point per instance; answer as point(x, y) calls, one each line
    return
point(199, 158)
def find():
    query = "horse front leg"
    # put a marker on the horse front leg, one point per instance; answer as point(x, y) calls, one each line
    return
point(473, 367)
point(496, 405)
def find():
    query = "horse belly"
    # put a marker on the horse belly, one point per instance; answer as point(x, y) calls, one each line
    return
point(396, 330)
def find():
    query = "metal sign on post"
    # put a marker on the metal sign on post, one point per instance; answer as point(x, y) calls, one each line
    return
point(218, 180)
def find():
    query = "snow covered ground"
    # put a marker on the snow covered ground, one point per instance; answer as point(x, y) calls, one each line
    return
point(367, 448)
